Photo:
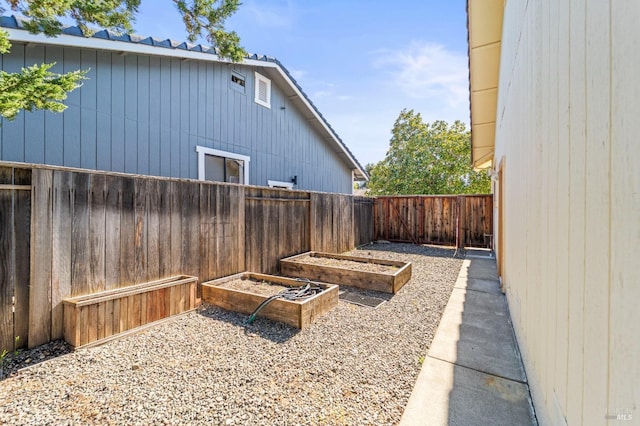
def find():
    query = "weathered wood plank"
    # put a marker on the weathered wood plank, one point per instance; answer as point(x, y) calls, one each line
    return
point(80, 246)
point(140, 241)
point(127, 234)
point(164, 226)
point(97, 233)
point(153, 231)
point(113, 209)
point(40, 262)
point(22, 236)
point(7, 268)
point(61, 248)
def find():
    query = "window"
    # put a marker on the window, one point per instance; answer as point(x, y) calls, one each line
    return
point(279, 184)
point(237, 81)
point(222, 166)
point(263, 90)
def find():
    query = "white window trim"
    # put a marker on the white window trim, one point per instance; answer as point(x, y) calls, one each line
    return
point(203, 150)
point(279, 184)
point(259, 77)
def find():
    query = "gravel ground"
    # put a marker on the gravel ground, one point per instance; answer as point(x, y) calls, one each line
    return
point(355, 365)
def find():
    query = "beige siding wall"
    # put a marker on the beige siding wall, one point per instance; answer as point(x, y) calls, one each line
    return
point(568, 136)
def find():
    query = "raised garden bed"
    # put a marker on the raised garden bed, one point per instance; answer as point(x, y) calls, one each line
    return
point(101, 317)
point(245, 291)
point(371, 274)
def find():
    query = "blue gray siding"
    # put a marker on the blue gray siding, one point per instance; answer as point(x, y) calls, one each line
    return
point(146, 114)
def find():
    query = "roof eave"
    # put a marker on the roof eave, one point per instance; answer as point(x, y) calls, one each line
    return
point(484, 30)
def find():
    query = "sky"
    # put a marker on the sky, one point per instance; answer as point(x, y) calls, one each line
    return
point(359, 61)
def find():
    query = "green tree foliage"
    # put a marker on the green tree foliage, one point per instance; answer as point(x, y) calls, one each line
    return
point(427, 158)
point(37, 88)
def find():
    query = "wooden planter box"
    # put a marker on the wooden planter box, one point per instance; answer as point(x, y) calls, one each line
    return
point(100, 317)
point(298, 314)
point(390, 282)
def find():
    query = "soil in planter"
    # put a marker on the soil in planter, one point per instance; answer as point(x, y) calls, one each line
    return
point(261, 287)
point(348, 264)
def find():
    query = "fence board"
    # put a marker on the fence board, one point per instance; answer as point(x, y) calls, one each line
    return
point(434, 219)
point(40, 264)
point(113, 209)
point(7, 265)
point(22, 238)
point(61, 249)
point(97, 236)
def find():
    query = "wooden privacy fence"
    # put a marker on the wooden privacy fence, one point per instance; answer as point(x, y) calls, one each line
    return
point(464, 220)
point(67, 233)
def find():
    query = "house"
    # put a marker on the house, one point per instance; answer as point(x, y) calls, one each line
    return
point(554, 117)
point(162, 108)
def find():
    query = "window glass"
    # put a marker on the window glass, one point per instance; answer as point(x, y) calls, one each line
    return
point(214, 168)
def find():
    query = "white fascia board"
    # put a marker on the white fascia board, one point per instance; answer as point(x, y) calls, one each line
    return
point(17, 35)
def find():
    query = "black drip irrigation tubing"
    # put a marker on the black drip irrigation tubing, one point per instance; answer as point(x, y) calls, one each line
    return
point(305, 291)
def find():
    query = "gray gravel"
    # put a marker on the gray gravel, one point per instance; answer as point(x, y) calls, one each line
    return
point(355, 365)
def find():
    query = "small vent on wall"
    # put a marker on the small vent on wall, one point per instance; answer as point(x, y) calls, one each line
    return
point(263, 90)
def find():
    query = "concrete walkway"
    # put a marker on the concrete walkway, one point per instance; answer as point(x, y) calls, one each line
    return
point(473, 374)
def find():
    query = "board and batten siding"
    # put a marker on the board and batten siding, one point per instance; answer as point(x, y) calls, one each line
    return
point(567, 144)
point(146, 115)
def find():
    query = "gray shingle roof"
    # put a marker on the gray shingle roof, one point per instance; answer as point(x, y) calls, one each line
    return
point(16, 23)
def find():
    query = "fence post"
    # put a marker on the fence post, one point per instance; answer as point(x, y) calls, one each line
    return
point(460, 219)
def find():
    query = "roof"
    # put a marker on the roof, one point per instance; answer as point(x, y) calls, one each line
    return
point(73, 36)
point(484, 26)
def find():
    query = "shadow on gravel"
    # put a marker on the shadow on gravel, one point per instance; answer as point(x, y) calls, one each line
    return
point(408, 248)
point(28, 357)
point(275, 331)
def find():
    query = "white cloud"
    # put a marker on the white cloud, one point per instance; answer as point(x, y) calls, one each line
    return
point(298, 74)
point(426, 71)
point(277, 14)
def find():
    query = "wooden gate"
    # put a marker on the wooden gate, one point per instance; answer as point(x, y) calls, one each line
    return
point(15, 229)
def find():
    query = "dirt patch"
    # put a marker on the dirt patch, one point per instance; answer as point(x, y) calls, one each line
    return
point(348, 264)
point(261, 287)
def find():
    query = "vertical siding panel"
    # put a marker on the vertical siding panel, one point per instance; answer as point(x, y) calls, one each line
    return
point(131, 114)
point(88, 107)
point(202, 94)
point(563, 235)
point(35, 130)
point(13, 131)
point(166, 120)
point(54, 123)
point(175, 117)
point(551, 161)
point(118, 113)
point(183, 101)
point(155, 118)
point(103, 106)
point(210, 101)
point(72, 116)
point(577, 194)
point(143, 116)
point(624, 345)
point(596, 296)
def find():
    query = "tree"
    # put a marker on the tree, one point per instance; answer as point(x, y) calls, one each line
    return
point(37, 88)
point(427, 158)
